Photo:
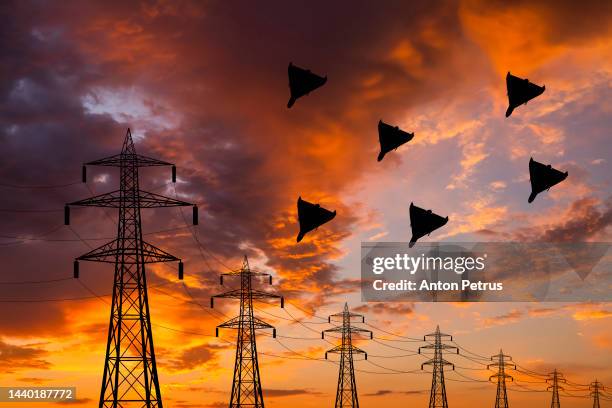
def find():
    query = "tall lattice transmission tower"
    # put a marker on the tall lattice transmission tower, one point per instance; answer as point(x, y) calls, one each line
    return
point(246, 386)
point(501, 361)
point(130, 373)
point(437, 396)
point(346, 394)
point(554, 379)
point(595, 387)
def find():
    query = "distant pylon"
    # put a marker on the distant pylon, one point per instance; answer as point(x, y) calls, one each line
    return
point(501, 361)
point(346, 394)
point(595, 388)
point(246, 387)
point(554, 379)
point(437, 396)
point(130, 373)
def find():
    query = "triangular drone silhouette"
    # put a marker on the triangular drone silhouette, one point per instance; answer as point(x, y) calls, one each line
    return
point(543, 177)
point(391, 137)
point(302, 82)
point(520, 91)
point(311, 216)
point(423, 222)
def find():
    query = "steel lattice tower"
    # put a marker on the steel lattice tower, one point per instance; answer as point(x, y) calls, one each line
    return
point(437, 396)
point(246, 387)
point(130, 373)
point(595, 388)
point(346, 394)
point(555, 378)
point(501, 361)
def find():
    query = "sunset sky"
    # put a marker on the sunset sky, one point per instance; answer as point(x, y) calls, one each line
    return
point(204, 84)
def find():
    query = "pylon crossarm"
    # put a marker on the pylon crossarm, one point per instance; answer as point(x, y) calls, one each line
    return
point(349, 314)
point(354, 329)
point(117, 160)
point(351, 329)
point(260, 324)
point(152, 254)
point(234, 323)
point(260, 294)
point(338, 329)
point(112, 200)
point(145, 200)
point(109, 253)
point(500, 376)
point(232, 294)
point(104, 253)
point(241, 272)
point(440, 346)
point(152, 200)
point(257, 294)
point(439, 362)
point(345, 349)
point(442, 336)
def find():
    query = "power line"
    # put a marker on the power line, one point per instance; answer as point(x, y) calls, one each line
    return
point(25, 238)
point(48, 186)
point(396, 348)
point(476, 355)
point(36, 282)
point(31, 210)
point(393, 334)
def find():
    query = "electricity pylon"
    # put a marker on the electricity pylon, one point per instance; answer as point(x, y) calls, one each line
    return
point(437, 396)
point(246, 387)
point(501, 361)
point(130, 373)
point(554, 379)
point(595, 387)
point(346, 394)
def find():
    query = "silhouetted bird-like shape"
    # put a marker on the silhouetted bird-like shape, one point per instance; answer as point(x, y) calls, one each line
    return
point(302, 82)
point(391, 137)
point(520, 91)
point(423, 222)
point(543, 177)
point(311, 216)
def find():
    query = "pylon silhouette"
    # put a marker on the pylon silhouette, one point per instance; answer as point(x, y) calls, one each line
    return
point(501, 361)
point(437, 396)
point(554, 379)
point(595, 388)
point(346, 394)
point(246, 387)
point(130, 373)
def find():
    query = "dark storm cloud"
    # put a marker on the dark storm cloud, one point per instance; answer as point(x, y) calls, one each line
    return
point(585, 219)
point(195, 356)
point(382, 393)
point(565, 21)
point(274, 393)
point(16, 357)
point(396, 309)
point(589, 220)
point(33, 380)
point(223, 70)
point(78, 401)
